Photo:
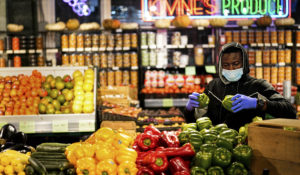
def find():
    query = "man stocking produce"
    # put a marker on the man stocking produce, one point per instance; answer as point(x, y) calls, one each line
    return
point(235, 97)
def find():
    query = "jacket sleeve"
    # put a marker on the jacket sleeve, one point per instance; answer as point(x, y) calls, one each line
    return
point(277, 106)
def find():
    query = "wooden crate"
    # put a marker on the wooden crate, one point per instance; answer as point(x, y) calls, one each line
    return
point(275, 148)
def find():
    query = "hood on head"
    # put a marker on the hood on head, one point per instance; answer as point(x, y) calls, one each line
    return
point(246, 69)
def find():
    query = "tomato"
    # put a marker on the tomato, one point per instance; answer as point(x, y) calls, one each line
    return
point(34, 92)
point(16, 111)
point(28, 94)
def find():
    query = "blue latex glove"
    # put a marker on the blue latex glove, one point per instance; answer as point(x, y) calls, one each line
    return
point(241, 102)
point(192, 103)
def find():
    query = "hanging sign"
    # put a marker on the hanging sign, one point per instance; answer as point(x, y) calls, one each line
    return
point(196, 9)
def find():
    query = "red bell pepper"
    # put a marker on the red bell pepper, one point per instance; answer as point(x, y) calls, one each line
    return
point(141, 156)
point(145, 171)
point(182, 173)
point(147, 141)
point(178, 165)
point(185, 151)
point(135, 145)
point(152, 130)
point(157, 161)
point(169, 139)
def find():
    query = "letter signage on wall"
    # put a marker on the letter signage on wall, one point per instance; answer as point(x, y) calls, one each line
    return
point(157, 9)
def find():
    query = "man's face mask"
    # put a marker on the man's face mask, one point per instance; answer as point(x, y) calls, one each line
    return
point(232, 75)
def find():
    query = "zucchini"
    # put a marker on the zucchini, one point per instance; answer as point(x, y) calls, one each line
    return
point(53, 172)
point(38, 166)
point(54, 144)
point(47, 148)
point(71, 171)
point(45, 155)
point(57, 165)
point(29, 170)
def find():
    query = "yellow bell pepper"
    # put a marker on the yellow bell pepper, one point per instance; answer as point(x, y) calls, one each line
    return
point(104, 134)
point(91, 139)
point(79, 151)
point(127, 168)
point(5, 160)
point(72, 147)
point(126, 154)
point(104, 153)
point(106, 167)
point(1, 168)
point(86, 166)
point(122, 141)
point(9, 169)
point(21, 173)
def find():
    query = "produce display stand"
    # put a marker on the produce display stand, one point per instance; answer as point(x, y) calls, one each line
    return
point(51, 123)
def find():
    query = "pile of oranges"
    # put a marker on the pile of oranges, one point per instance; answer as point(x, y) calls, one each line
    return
point(20, 95)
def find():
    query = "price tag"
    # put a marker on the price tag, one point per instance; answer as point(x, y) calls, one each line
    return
point(281, 64)
point(258, 64)
point(211, 46)
point(109, 48)
point(167, 102)
point(298, 44)
point(2, 124)
point(260, 44)
point(126, 48)
point(31, 51)
point(102, 49)
point(17, 51)
point(190, 46)
point(169, 46)
point(1, 52)
point(134, 68)
point(253, 44)
point(190, 70)
point(79, 49)
point(88, 49)
point(60, 126)
point(115, 68)
point(95, 49)
point(71, 49)
point(152, 47)
point(210, 69)
point(39, 51)
point(289, 44)
point(200, 28)
point(86, 125)
point(27, 126)
point(144, 47)
point(205, 46)
point(118, 30)
point(181, 46)
point(65, 50)
point(245, 27)
point(9, 51)
point(267, 44)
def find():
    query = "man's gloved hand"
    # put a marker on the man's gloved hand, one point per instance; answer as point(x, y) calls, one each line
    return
point(241, 102)
point(193, 101)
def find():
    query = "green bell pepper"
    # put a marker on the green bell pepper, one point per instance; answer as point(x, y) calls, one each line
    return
point(210, 148)
point(203, 100)
point(215, 170)
point(196, 140)
point(219, 127)
point(203, 123)
point(189, 126)
point(209, 138)
point(198, 171)
point(222, 157)
point(184, 137)
point(237, 168)
point(243, 154)
point(208, 131)
point(203, 159)
point(257, 118)
point(224, 143)
point(230, 134)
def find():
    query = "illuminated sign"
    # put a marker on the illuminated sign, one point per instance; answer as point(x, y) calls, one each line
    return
point(157, 9)
point(79, 7)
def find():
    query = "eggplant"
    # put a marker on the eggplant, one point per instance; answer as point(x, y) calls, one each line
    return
point(19, 138)
point(7, 131)
point(20, 148)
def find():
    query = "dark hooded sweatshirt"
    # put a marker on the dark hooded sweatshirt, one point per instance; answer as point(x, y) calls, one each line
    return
point(277, 106)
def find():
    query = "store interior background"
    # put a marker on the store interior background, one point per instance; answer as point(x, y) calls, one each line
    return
point(34, 14)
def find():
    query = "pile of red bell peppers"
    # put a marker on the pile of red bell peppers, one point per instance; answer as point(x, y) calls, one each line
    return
point(160, 153)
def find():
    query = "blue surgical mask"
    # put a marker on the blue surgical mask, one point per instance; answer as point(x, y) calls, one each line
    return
point(232, 75)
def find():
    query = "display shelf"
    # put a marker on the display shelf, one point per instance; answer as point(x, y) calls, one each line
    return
point(93, 49)
point(165, 102)
point(52, 123)
point(49, 123)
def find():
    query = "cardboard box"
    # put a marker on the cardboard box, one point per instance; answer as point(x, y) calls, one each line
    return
point(275, 148)
point(128, 126)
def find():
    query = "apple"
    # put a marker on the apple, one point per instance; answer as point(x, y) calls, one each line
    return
point(67, 78)
point(87, 87)
point(77, 108)
point(88, 108)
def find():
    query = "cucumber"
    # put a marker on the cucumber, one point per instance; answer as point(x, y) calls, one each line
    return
point(29, 170)
point(71, 171)
point(37, 166)
point(48, 148)
point(47, 155)
point(54, 144)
